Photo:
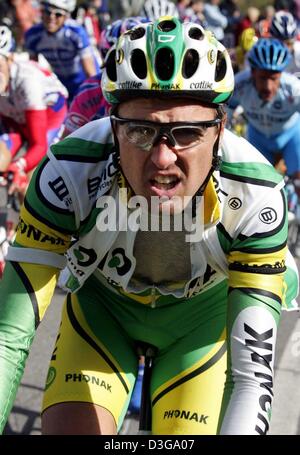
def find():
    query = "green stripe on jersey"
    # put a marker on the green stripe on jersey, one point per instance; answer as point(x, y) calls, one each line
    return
point(255, 173)
point(76, 149)
point(62, 220)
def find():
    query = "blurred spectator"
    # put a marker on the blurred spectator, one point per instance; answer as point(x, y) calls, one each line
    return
point(248, 21)
point(88, 17)
point(264, 23)
point(26, 16)
point(286, 5)
point(125, 8)
point(102, 11)
point(7, 13)
point(231, 10)
point(195, 13)
point(216, 21)
point(296, 10)
point(183, 7)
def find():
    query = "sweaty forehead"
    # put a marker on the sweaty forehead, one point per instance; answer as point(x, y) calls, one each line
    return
point(173, 109)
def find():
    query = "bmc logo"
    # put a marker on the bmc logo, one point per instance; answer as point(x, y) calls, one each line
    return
point(235, 203)
point(166, 38)
point(268, 215)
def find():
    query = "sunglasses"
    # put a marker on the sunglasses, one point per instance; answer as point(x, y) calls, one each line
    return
point(146, 134)
point(55, 12)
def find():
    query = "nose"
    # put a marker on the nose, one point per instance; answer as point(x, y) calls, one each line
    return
point(162, 155)
point(268, 85)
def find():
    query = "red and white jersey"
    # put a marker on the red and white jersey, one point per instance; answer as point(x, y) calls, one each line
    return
point(30, 88)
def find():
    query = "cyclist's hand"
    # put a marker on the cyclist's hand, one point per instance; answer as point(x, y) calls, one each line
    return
point(20, 181)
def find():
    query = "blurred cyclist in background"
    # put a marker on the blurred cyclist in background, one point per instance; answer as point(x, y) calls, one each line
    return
point(32, 110)
point(247, 39)
point(270, 98)
point(64, 43)
point(284, 27)
point(89, 103)
point(153, 9)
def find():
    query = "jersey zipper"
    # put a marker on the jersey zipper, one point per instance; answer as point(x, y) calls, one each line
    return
point(153, 295)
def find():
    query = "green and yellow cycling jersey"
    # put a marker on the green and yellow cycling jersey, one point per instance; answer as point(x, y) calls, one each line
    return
point(233, 276)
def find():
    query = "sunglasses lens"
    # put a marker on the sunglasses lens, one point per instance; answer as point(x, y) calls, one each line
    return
point(50, 12)
point(187, 136)
point(141, 135)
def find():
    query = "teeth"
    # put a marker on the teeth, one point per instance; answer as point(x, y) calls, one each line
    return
point(165, 179)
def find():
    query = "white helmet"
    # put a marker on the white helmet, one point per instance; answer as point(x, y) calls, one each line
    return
point(283, 26)
point(153, 9)
point(168, 58)
point(6, 41)
point(67, 5)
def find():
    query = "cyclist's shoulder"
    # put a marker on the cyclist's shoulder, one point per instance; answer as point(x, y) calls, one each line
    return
point(289, 79)
point(243, 163)
point(73, 28)
point(24, 73)
point(243, 78)
point(34, 32)
point(92, 83)
point(89, 144)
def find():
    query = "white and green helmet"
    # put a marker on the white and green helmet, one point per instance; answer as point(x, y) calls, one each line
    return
point(168, 58)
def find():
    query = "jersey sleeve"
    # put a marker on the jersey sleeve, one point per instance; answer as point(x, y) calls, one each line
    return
point(257, 291)
point(83, 43)
point(43, 235)
point(77, 114)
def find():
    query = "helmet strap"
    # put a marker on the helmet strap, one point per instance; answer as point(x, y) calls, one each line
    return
point(215, 165)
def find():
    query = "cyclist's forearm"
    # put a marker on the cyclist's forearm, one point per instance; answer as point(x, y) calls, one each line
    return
point(89, 66)
point(23, 304)
point(37, 137)
point(252, 328)
point(17, 328)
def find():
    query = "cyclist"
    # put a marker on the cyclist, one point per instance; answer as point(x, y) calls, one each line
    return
point(284, 27)
point(64, 44)
point(32, 110)
point(89, 103)
point(189, 296)
point(153, 9)
point(247, 39)
point(270, 99)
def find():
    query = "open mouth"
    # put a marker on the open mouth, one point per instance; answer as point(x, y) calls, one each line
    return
point(167, 182)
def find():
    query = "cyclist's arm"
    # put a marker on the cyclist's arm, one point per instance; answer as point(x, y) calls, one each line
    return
point(87, 105)
point(86, 53)
point(27, 287)
point(76, 116)
point(37, 137)
point(88, 64)
point(256, 293)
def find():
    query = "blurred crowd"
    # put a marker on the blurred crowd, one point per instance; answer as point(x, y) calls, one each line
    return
point(224, 17)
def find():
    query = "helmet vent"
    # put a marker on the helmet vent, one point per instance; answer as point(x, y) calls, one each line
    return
point(164, 63)
point(196, 33)
point(221, 67)
point(255, 50)
point(166, 26)
point(190, 63)
point(271, 53)
point(137, 33)
point(138, 63)
point(110, 65)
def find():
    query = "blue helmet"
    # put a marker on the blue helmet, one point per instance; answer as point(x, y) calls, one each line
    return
point(112, 32)
point(269, 54)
